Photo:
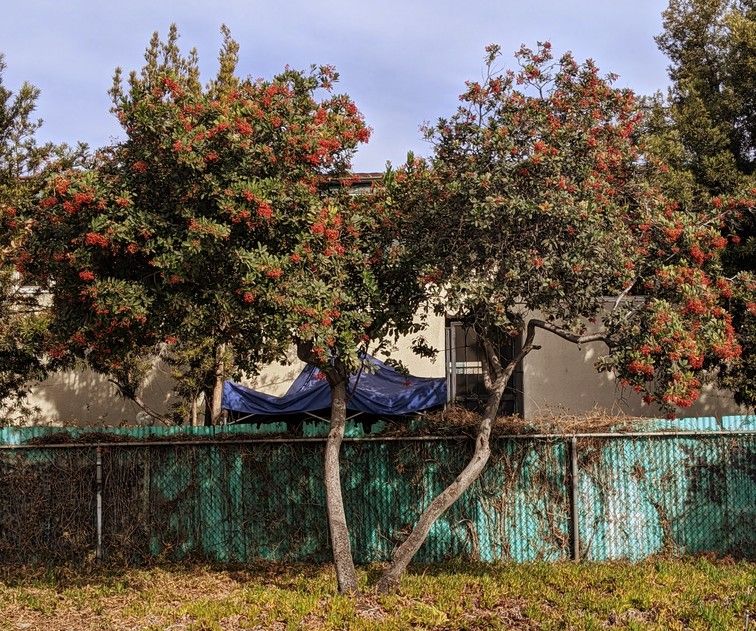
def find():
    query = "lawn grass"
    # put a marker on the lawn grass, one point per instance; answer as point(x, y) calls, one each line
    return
point(661, 593)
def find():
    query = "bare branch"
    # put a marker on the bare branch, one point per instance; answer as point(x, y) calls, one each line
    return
point(130, 393)
point(564, 333)
point(624, 293)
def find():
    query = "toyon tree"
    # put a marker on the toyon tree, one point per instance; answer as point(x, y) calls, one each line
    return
point(705, 128)
point(352, 287)
point(539, 213)
point(221, 232)
point(23, 167)
point(176, 243)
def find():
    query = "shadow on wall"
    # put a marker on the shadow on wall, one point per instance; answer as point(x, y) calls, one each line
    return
point(274, 379)
point(83, 397)
point(572, 384)
point(560, 377)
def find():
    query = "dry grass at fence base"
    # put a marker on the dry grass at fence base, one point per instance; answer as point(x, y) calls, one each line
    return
point(658, 593)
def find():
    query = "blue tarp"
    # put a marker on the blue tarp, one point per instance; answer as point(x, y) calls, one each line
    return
point(379, 390)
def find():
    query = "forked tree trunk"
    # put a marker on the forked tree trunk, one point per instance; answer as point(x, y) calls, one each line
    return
point(389, 581)
point(346, 574)
point(402, 556)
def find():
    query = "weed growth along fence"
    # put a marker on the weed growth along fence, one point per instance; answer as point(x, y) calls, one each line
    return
point(211, 494)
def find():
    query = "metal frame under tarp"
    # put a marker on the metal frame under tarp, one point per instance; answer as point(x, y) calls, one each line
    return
point(376, 389)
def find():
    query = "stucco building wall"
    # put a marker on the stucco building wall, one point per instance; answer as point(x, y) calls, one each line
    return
point(558, 377)
point(82, 397)
point(561, 376)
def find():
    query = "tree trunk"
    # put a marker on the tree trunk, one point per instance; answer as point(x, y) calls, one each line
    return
point(193, 412)
point(208, 415)
point(337, 375)
point(219, 376)
point(389, 581)
point(216, 409)
point(402, 556)
point(346, 574)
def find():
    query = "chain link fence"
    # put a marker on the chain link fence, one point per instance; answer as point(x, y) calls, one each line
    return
point(236, 500)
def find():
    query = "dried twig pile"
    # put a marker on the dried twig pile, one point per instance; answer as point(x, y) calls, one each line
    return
point(458, 420)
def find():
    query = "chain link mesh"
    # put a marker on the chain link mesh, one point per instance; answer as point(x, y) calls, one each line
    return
point(240, 501)
point(47, 505)
point(681, 495)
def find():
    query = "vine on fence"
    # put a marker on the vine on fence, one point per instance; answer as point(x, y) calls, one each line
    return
point(240, 501)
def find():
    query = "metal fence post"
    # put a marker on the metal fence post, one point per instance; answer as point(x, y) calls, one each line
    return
point(574, 524)
point(98, 548)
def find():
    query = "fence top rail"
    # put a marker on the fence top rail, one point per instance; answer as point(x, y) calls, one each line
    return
point(376, 439)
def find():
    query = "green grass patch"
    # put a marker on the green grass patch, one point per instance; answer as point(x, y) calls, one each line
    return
point(697, 593)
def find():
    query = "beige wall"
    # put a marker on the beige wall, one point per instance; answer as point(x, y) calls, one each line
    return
point(560, 376)
point(435, 336)
point(275, 378)
point(82, 397)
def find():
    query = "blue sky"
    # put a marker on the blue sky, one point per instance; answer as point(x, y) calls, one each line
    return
point(402, 62)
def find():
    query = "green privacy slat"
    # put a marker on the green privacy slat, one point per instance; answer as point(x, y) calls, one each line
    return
point(237, 502)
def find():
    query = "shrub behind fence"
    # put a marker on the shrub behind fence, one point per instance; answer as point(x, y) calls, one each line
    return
point(596, 496)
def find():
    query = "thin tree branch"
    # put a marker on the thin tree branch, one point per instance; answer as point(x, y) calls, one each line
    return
point(131, 394)
point(564, 333)
point(624, 293)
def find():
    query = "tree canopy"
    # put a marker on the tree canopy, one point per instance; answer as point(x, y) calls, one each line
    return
point(548, 214)
point(181, 238)
point(544, 202)
point(24, 164)
point(705, 129)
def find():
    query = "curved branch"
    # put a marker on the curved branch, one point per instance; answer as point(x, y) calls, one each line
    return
point(564, 333)
point(409, 547)
point(625, 293)
point(131, 394)
point(527, 346)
